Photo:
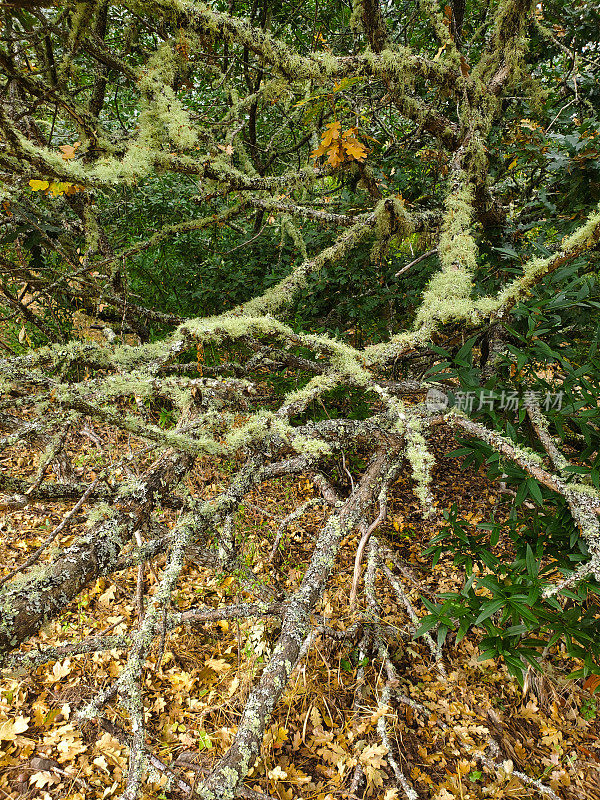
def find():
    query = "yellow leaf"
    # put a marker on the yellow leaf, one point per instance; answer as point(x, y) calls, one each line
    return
point(315, 716)
point(38, 186)
point(42, 779)
point(330, 140)
point(101, 762)
point(332, 131)
point(217, 664)
point(512, 163)
point(10, 729)
point(280, 737)
point(106, 598)
point(373, 755)
point(20, 724)
point(109, 746)
point(22, 335)
point(354, 149)
point(61, 670)
point(58, 187)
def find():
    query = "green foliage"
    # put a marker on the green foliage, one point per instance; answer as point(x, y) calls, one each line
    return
point(589, 709)
point(505, 599)
point(549, 353)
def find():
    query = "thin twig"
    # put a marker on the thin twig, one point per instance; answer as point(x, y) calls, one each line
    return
point(59, 528)
point(418, 260)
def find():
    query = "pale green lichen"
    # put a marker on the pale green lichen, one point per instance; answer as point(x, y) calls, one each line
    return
point(392, 222)
point(421, 461)
point(448, 294)
point(586, 236)
point(288, 226)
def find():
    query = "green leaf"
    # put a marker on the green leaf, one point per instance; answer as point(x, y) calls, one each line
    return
point(524, 612)
point(495, 536)
point(487, 655)
point(441, 634)
point(532, 563)
point(489, 609)
point(461, 356)
point(427, 623)
point(535, 491)
point(521, 493)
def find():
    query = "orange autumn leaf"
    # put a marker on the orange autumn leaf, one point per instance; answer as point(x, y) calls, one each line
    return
point(68, 150)
point(591, 683)
point(354, 149)
point(335, 157)
point(339, 146)
point(331, 133)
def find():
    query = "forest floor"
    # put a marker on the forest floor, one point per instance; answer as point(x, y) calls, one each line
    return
point(194, 694)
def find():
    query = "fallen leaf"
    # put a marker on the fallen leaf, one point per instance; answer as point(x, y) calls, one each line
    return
point(11, 728)
point(39, 186)
point(277, 774)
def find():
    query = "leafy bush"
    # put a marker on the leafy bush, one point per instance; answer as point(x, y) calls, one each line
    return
point(505, 599)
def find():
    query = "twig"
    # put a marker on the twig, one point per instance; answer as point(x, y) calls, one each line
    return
point(389, 479)
point(360, 550)
point(359, 697)
point(288, 521)
point(383, 705)
point(53, 451)
point(418, 260)
point(124, 738)
point(471, 749)
point(436, 651)
point(59, 528)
